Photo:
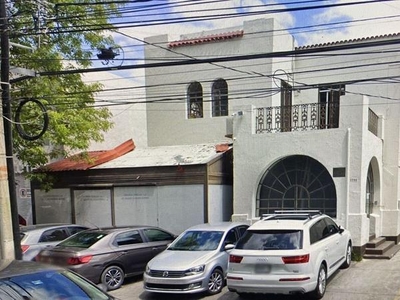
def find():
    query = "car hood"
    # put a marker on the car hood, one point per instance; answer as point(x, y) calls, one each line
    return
point(180, 260)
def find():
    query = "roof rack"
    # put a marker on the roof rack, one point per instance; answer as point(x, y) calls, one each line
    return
point(291, 214)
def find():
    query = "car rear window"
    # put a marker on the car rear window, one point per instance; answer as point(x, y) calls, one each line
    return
point(49, 285)
point(271, 240)
point(83, 239)
point(198, 241)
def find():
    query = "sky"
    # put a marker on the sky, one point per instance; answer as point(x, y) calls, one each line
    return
point(309, 26)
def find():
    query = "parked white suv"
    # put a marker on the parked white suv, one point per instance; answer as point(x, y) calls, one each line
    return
point(289, 252)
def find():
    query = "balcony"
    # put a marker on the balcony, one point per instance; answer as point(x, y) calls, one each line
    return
point(301, 117)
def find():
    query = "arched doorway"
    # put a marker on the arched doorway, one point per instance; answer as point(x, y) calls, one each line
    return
point(369, 196)
point(296, 182)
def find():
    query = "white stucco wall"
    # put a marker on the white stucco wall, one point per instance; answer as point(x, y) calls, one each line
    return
point(167, 123)
point(351, 146)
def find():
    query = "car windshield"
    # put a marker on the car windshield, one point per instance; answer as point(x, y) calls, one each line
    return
point(50, 285)
point(270, 240)
point(197, 241)
point(83, 239)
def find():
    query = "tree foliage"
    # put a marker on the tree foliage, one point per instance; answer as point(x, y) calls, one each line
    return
point(63, 35)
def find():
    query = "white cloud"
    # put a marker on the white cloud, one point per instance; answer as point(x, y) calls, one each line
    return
point(370, 27)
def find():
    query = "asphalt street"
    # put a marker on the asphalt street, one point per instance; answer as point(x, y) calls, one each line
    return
point(369, 279)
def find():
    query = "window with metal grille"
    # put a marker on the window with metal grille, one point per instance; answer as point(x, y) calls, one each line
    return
point(195, 100)
point(329, 100)
point(219, 93)
point(296, 182)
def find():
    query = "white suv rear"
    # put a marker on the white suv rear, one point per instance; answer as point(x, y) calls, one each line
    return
point(289, 252)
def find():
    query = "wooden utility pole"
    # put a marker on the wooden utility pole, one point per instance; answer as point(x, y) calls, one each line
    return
point(9, 224)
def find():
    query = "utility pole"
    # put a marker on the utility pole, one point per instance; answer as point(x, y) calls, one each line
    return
point(9, 223)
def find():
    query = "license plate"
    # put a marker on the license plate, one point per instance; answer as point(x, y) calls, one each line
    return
point(262, 269)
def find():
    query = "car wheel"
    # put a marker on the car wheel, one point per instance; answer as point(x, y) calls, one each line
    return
point(215, 282)
point(113, 277)
point(320, 289)
point(347, 261)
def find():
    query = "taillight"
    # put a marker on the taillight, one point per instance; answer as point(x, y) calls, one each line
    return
point(24, 248)
point(235, 259)
point(79, 260)
point(299, 259)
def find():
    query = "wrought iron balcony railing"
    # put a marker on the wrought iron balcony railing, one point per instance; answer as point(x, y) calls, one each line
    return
point(301, 117)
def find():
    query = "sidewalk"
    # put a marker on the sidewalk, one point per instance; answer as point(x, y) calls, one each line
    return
point(369, 279)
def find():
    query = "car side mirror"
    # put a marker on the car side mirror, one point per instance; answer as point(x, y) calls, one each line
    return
point(341, 229)
point(229, 247)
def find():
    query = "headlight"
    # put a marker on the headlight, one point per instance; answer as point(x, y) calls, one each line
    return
point(147, 270)
point(195, 270)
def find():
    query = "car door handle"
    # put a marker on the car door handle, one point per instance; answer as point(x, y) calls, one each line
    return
point(326, 248)
point(155, 248)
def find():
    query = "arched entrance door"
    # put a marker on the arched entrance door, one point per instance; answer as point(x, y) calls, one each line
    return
point(296, 182)
point(369, 201)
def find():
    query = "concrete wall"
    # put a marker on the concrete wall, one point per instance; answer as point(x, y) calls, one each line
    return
point(174, 208)
point(167, 123)
point(220, 203)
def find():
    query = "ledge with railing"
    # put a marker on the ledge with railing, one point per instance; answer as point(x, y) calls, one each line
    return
point(301, 117)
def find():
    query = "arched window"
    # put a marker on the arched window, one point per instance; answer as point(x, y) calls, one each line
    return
point(296, 182)
point(219, 93)
point(195, 100)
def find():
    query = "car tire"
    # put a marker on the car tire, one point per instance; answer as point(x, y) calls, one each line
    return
point(113, 277)
point(320, 289)
point(215, 282)
point(347, 261)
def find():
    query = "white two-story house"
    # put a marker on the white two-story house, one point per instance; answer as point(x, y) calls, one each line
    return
point(312, 127)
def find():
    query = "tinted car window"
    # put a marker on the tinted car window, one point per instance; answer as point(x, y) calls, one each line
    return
point(242, 229)
point(154, 235)
point(271, 239)
point(75, 229)
point(49, 285)
point(331, 227)
point(231, 237)
point(198, 241)
point(83, 239)
point(53, 235)
point(317, 231)
point(128, 238)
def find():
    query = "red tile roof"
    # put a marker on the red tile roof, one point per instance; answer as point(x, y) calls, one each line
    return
point(207, 39)
point(222, 147)
point(83, 161)
point(357, 40)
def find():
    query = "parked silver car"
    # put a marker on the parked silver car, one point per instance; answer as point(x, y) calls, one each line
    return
point(34, 238)
point(195, 262)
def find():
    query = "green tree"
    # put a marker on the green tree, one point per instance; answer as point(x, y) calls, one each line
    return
point(64, 35)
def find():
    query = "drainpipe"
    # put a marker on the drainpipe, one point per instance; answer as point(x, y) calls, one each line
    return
point(206, 179)
point(348, 178)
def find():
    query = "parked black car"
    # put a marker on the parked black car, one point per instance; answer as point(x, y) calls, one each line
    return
point(21, 280)
point(109, 255)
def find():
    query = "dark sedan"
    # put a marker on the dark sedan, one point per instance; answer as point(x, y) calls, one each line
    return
point(108, 255)
point(31, 280)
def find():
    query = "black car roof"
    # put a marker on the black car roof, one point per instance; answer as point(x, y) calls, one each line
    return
point(10, 268)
